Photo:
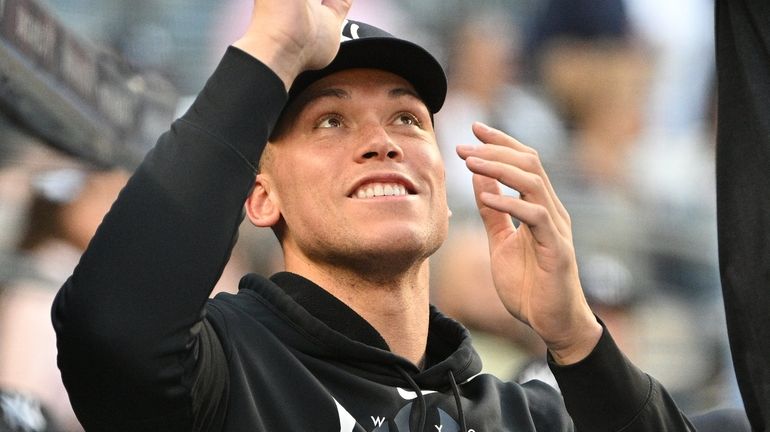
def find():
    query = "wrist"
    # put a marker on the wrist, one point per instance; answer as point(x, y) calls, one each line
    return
point(579, 345)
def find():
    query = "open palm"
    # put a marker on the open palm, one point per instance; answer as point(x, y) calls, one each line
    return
point(533, 265)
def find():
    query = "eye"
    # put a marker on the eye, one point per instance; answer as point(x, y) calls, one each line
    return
point(408, 119)
point(330, 121)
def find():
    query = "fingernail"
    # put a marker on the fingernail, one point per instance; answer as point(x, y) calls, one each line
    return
point(476, 161)
point(465, 147)
point(484, 127)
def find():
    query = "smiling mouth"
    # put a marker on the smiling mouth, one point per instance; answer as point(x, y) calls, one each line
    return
point(375, 190)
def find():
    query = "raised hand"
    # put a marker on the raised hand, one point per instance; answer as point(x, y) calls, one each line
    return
point(533, 265)
point(291, 36)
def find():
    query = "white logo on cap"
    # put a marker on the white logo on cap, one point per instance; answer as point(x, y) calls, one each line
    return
point(353, 31)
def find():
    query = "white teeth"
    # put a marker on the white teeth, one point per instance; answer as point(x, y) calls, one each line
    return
point(372, 190)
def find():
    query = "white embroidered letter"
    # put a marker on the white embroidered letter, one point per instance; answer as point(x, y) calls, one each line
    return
point(378, 421)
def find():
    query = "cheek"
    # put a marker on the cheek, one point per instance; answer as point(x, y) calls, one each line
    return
point(300, 185)
point(434, 160)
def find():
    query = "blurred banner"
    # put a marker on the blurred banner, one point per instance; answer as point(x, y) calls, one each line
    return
point(79, 98)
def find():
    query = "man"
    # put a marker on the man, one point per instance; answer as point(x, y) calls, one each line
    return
point(351, 182)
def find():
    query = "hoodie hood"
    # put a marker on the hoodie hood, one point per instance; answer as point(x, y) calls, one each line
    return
point(310, 320)
point(290, 346)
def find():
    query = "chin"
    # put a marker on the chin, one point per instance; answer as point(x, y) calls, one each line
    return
point(417, 244)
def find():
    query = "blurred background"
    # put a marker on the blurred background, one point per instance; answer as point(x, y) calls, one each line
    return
point(617, 96)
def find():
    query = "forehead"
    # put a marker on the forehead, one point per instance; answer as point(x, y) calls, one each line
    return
point(353, 83)
point(344, 86)
point(363, 77)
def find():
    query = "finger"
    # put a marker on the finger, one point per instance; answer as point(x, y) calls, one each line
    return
point(526, 161)
point(504, 165)
point(518, 154)
point(532, 187)
point(490, 135)
point(515, 144)
point(534, 216)
point(497, 224)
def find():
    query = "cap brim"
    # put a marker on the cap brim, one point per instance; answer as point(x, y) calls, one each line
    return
point(398, 56)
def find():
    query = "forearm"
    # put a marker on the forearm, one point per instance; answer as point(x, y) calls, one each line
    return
point(606, 392)
point(126, 318)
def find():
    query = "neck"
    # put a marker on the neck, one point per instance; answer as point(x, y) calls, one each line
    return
point(395, 305)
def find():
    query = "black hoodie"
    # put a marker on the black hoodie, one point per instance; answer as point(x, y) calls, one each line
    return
point(141, 348)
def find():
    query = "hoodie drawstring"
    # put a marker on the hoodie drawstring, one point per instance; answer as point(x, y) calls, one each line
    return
point(423, 405)
point(420, 398)
point(458, 401)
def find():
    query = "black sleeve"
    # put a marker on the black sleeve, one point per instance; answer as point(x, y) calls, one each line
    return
point(130, 320)
point(743, 194)
point(606, 392)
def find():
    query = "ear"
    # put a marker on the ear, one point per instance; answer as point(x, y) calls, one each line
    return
point(262, 205)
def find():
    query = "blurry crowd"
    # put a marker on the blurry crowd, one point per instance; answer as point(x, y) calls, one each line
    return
point(617, 96)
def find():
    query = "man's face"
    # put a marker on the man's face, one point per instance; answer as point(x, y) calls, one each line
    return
point(357, 174)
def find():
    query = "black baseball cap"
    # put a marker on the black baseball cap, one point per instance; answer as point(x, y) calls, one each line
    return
point(366, 46)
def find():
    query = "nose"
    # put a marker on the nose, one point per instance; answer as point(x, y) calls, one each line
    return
point(376, 143)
